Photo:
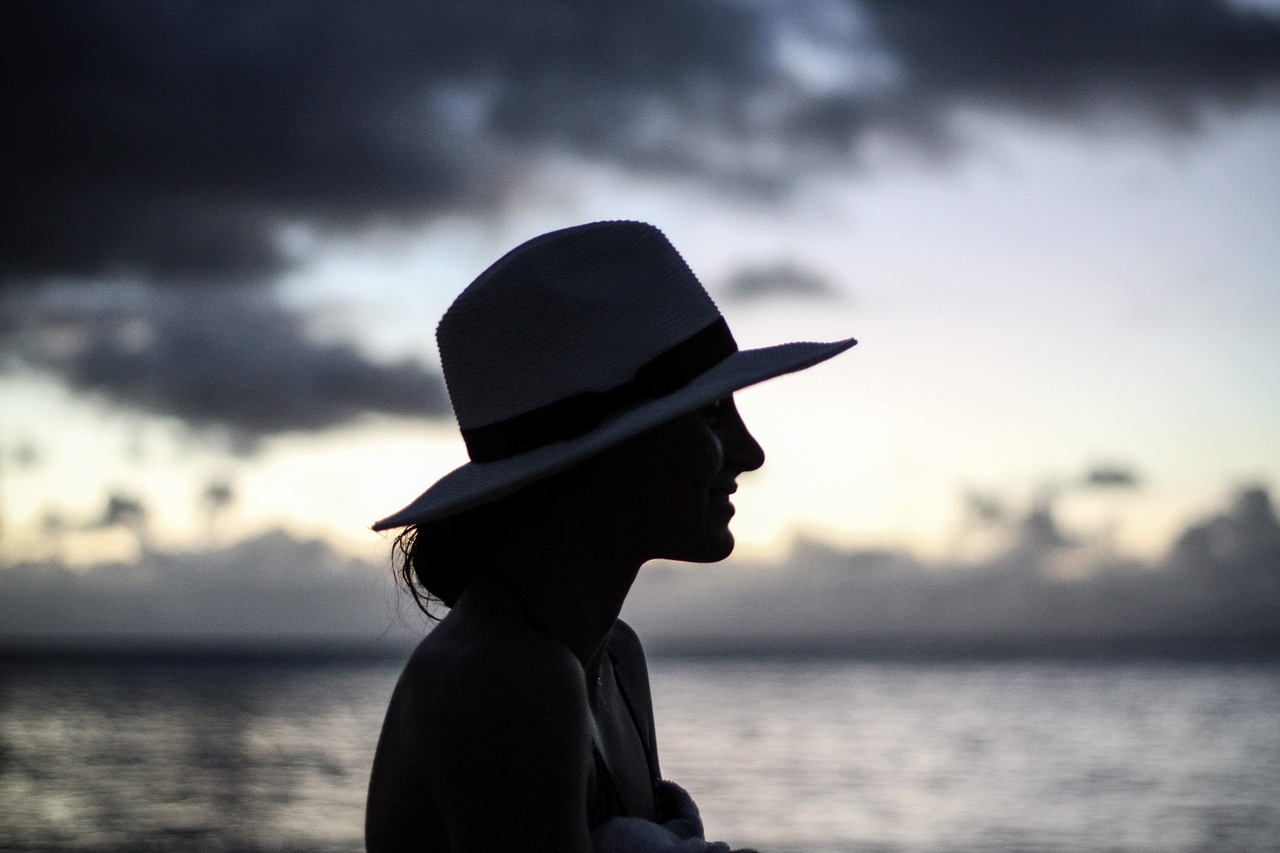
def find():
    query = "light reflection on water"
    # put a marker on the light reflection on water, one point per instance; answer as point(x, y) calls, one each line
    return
point(818, 755)
point(979, 757)
point(171, 757)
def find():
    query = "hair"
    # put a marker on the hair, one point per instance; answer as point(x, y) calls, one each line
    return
point(435, 561)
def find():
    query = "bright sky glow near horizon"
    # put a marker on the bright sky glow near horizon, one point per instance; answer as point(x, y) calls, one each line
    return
point(1048, 300)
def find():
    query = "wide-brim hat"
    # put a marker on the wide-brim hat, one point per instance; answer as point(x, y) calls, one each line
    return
point(572, 343)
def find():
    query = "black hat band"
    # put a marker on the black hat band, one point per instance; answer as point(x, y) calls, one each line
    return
point(576, 415)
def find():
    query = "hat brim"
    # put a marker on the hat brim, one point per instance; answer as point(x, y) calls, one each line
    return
point(475, 483)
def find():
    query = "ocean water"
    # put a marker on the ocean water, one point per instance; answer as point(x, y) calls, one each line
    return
point(786, 755)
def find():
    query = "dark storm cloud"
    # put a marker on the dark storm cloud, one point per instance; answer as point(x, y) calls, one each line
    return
point(175, 142)
point(174, 139)
point(232, 359)
point(782, 279)
point(172, 142)
point(1165, 60)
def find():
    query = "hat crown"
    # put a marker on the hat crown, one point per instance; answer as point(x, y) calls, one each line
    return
point(572, 311)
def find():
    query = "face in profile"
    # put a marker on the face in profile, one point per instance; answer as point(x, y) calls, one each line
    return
point(678, 478)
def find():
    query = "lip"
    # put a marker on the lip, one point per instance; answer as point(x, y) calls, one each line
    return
point(724, 507)
point(720, 499)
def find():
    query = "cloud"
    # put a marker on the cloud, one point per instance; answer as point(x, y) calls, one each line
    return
point(1111, 477)
point(176, 141)
point(1221, 580)
point(1242, 539)
point(178, 144)
point(1039, 533)
point(122, 511)
point(229, 359)
point(1084, 63)
point(983, 509)
point(273, 588)
point(782, 279)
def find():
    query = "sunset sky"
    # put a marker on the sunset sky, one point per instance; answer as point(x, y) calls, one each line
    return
point(232, 227)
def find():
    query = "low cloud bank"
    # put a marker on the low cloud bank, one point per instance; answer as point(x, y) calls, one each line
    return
point(271, 590)
point(1220, 580)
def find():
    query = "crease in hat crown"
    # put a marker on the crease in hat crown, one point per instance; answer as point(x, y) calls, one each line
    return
point(573, 311)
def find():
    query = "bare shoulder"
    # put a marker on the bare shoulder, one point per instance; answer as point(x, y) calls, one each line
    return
point(501, 713)
point(484, 676)
point(462, 670)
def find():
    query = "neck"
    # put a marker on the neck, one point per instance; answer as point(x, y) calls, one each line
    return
point(572, 586)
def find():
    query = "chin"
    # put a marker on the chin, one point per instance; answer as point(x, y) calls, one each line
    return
point(709, 551)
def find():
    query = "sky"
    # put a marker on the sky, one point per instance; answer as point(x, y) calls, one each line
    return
point(231, 228)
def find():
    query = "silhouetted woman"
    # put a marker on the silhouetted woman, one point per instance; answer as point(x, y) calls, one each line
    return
point(592, 379)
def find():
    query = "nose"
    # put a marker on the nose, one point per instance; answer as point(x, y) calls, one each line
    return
point(741, 450)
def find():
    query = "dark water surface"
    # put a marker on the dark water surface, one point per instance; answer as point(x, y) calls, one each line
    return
point(814, 755)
